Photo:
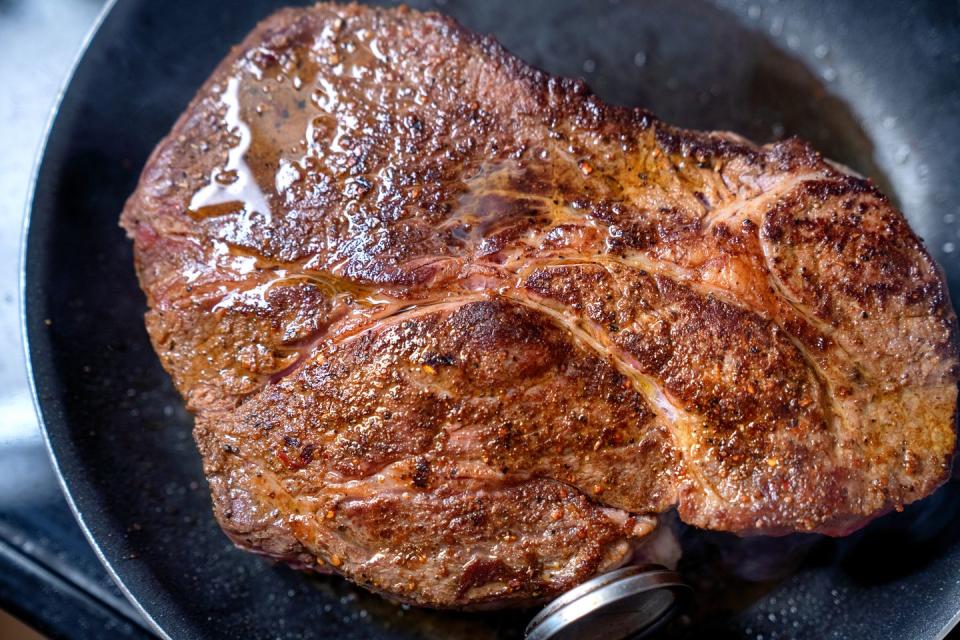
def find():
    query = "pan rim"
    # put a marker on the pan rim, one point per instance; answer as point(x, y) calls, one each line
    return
point(23, 309)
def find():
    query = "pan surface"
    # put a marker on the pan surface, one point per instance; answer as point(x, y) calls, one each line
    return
point(875, 86)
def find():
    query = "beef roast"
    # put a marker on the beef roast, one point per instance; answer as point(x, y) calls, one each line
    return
point(458, 330)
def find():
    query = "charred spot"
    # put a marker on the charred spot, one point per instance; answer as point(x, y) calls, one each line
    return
point(504, 435)
point(631, 234)
point(439, 360)
point(772, 230)
point(475, 518)
point(722, 232)
point(301, 460)
point(306, 454)
point(703, 146)
point(931, 292)
point(421, 473)
point(609, 211)
point(262, 423)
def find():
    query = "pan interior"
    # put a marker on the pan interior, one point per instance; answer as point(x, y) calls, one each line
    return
point(122, 439)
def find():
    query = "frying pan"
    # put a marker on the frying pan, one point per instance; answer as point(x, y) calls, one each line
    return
point(874, 85)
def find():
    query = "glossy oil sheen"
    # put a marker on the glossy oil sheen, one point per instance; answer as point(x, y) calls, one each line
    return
point(876, 90)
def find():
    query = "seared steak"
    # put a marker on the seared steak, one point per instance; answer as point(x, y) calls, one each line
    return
point(458, 330)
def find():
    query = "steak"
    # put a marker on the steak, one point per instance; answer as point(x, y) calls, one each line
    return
point(459, 331)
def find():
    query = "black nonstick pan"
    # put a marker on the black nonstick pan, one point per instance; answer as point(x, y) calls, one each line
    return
point(875, 85)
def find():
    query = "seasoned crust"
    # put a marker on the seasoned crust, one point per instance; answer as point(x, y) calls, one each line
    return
point(472, 328)
point(374, 452)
